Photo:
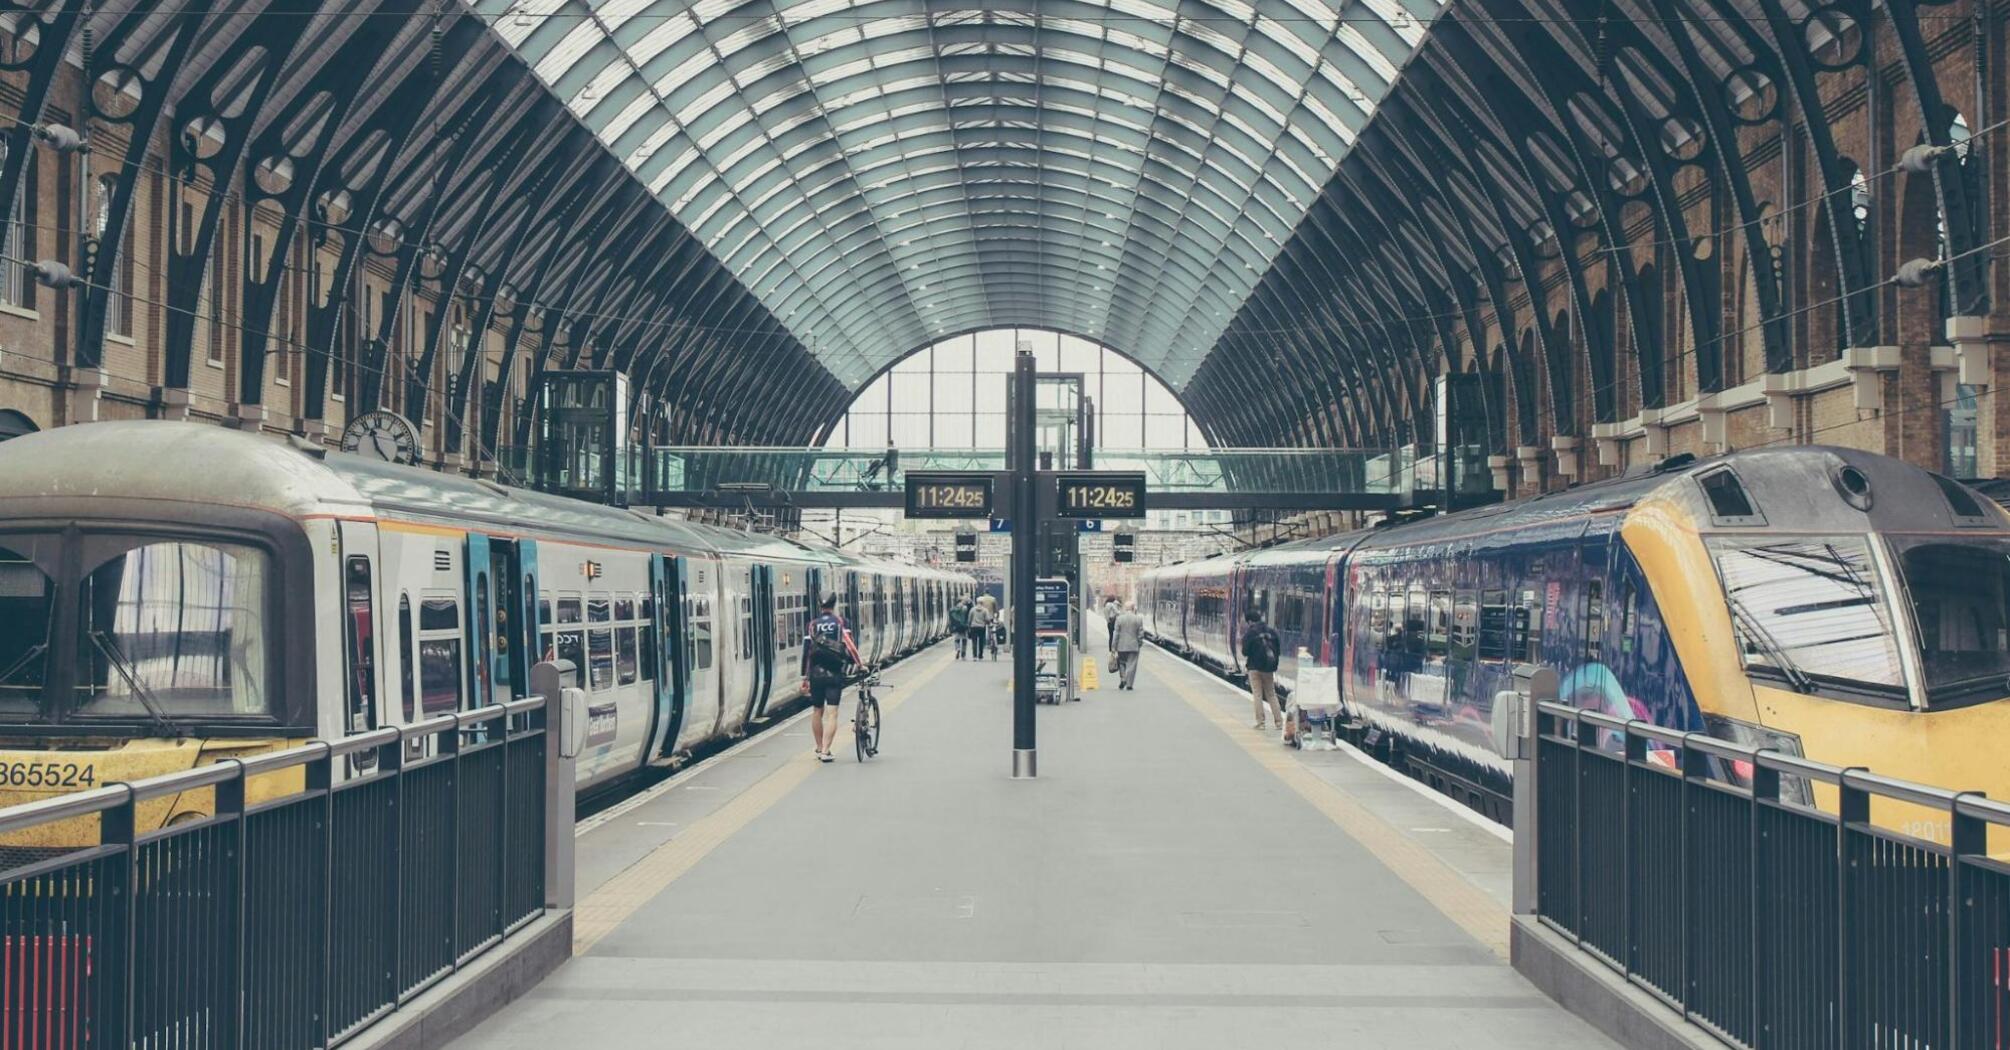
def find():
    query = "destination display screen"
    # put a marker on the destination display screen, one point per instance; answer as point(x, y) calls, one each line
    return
point(963, 495)
point(1100, 495)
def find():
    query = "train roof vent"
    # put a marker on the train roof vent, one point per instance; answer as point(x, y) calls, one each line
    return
point(443, 561)
point(1960, 501)
point(1730, 504)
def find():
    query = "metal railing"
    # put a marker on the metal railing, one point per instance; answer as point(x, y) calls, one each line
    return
point(380, 863)
point(1704, 872)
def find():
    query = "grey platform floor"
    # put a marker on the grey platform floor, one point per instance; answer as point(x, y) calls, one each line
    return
point(1172, 879)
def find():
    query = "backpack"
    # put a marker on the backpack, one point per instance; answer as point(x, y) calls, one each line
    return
point(1266, 651)
point(827, 649)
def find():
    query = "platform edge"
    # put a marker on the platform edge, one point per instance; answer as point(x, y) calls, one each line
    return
point(1594, 992)
point(468, 996)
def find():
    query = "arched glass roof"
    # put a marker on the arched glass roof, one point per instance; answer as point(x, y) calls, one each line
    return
point(880, 174)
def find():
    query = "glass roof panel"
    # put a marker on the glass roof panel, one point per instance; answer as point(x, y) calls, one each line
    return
point(1119, 167)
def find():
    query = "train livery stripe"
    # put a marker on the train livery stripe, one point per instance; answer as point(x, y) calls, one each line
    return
point(1481, 916)
point(621, 896)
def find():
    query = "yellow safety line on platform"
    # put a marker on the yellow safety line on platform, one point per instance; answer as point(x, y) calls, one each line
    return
point(623, 895)
point(1462, 902)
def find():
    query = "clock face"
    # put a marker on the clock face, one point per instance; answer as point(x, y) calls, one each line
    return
point(382, 435)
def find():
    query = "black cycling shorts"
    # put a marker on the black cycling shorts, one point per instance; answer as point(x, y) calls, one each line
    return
point(826, 692)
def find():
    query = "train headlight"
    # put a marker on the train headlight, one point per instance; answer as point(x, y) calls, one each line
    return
point(1746, 734)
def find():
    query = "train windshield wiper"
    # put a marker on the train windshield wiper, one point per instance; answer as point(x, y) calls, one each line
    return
point(1756, 630)
point(26, 658)
point(124, 667)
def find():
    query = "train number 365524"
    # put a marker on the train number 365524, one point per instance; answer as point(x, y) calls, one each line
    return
point(47, 775)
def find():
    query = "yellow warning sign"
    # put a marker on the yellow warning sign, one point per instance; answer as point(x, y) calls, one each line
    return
point(1089, 674)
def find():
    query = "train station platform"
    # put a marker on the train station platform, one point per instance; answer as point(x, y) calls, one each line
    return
point(1174, 878)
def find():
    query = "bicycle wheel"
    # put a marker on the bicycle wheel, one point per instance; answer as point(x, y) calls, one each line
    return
point(865, 728)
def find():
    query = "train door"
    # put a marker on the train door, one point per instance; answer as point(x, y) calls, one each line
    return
point(527, 633)
point(365, 705)
point(763, 587)
point(854, 610)
point(703, 700)
point(480, 622)
point(666, 603)
point(511, 621)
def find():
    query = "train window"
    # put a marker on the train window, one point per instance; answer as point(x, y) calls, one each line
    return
point(439, 675)
point(645, 638)
point(1594, 620)
point(700, 639)
point(174, 629)
point(1959, 502)
point(1528, 627)
point(624, 608)
point(407, 662)
point(484, 633)
point(746, 628)
point(1729, 503)
point(1378, 611)
point(569, 645)
point(26, 608)
point(599, 645)
point(1397, 607)
point(1465, 624)
point(625, 664)
point(544, 609)
point(1415, 615)
point(1493, 625)
point(439, 655)
point(1441, 621)
point(358, 625)
point(1960, 593)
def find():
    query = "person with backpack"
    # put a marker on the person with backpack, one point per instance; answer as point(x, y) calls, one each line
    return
point(828, 653)
point(979, 628)
point(1260, 647)
point(959, 625)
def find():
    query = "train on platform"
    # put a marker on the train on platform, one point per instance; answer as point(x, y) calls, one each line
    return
point(1830, 603)
point(173, 594)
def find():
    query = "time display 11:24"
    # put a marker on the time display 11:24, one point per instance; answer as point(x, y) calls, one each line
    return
point(1100, 495)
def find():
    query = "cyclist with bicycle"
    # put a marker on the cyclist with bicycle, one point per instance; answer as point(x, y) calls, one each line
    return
point(828, 652)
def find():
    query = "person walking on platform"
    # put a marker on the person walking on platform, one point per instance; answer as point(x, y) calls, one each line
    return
point(828, 652)
point(959, 625)
point(979, 629)
point(1110, 614)
point(1260, 647)
point(1127, 639)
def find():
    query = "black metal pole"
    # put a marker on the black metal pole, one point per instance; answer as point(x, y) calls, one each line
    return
point(1026, 518)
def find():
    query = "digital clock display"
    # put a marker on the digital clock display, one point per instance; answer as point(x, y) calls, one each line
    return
point(1100, 496)
point(964, 495)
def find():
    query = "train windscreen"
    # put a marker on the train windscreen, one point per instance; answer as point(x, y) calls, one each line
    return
point(161, 630)
point(1811, 607)
point(1960, 592)
point(173, 629)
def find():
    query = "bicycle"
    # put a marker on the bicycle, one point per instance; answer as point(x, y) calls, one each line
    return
point(865, 717)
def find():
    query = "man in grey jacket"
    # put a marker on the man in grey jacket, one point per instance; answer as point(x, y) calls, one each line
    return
point(1126, 639)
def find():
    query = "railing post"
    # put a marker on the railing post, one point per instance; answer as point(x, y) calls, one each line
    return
point(117, 826)
point(321, 777)
point(1695, 767)
point(1852, 807)
point(450, 745)
point(230, 799)
point(1967, 837)
point(1765, 790)
point(1577, 911)
point(1633, 749)
point(392, 761)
